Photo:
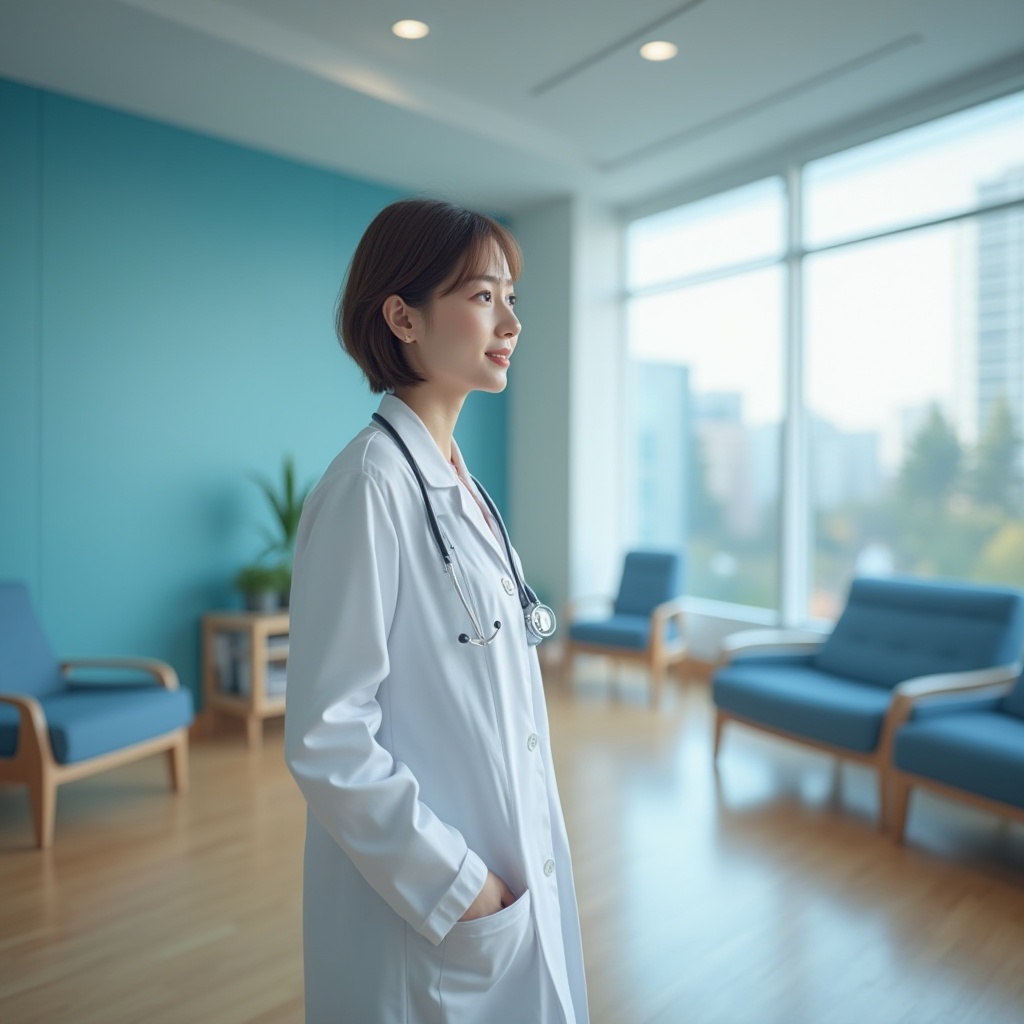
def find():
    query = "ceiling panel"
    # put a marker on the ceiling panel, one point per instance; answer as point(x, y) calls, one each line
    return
point(495, 51)
point(460, 112)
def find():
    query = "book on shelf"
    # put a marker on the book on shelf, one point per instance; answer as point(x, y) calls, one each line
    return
point(234, 668)
point(228, 649)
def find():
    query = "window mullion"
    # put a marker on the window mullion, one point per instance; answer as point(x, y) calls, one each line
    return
point(795, 532)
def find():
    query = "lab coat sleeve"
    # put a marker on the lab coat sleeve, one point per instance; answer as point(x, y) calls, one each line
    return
point(344, 593)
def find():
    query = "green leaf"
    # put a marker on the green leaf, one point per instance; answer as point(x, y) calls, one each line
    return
point(286, 505)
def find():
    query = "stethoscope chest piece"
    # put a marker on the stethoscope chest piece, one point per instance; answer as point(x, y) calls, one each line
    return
point(540, 623)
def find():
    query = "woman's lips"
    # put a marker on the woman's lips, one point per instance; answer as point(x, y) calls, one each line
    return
point(500, 358)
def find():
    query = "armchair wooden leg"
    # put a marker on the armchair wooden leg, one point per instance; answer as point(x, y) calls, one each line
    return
point(42, 798)
point(900, 805)
point(177, 758)
point(254, 732)
point(883, 799)
point(657, 680)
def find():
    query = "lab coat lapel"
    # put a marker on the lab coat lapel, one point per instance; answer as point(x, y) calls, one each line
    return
point(472, 511)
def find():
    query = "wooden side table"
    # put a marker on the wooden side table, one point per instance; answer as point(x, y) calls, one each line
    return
point(235, 683)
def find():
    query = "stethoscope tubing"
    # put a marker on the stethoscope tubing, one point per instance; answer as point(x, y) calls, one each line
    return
point(526, 595)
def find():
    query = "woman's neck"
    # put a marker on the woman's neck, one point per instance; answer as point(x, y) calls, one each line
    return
point(439, 413)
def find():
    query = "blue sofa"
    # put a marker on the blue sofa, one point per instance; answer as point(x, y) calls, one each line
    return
point(897, 640)
point(56, 728)
point(967, 746)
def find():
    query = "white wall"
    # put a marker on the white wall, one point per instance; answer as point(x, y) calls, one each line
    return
point(595, 398)
point(564, 418)
point(538, 415)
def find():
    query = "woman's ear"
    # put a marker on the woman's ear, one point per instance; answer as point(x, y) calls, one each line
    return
point(397, 315)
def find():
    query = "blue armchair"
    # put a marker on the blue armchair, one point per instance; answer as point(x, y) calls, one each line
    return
point(646, 623)
point(54, 729)
point(969, 747)
point(897, 639)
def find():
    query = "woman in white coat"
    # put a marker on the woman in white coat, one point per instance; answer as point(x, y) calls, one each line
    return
point(438, 885)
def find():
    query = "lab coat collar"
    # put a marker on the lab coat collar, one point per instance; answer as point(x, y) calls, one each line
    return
point(436, 469)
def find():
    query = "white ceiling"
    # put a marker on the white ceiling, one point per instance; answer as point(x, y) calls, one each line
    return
point(507, 104)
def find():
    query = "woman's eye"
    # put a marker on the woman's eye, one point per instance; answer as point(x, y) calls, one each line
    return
point(486, 296)
point(512, 300)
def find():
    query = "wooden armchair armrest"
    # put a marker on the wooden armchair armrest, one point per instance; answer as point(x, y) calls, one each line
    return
point(769, 641)
point(160, 670)
point(33, 735)
point(663, 614)
point(996, 681)
point(676, 608)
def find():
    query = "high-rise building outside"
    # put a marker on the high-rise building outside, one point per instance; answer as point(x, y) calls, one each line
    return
point(1000, 307)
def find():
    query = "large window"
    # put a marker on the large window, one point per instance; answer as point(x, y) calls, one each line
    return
point(906, 413)
point(706, 395)
point(915, 356)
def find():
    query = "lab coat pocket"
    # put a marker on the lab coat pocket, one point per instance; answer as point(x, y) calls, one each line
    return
point(479, 953)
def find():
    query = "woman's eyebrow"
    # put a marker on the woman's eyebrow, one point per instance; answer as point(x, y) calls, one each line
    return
point(491, 280)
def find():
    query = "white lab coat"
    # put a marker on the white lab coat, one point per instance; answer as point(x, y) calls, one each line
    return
point(423, 761)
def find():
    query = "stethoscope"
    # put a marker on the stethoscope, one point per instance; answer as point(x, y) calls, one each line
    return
point(539, 618)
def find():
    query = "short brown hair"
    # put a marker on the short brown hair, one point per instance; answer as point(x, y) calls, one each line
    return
point(410, 249)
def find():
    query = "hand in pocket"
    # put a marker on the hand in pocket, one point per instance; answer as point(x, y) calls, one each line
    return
point(494, 896)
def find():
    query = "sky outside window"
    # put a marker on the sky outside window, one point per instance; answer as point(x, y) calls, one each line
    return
point(726, 331)
point(735, 227)
point(941, 168)
point(888, 325)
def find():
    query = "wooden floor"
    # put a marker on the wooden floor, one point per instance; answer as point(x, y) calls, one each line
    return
point(762, 895)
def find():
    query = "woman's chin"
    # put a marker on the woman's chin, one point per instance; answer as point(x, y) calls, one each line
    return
point(494, 383)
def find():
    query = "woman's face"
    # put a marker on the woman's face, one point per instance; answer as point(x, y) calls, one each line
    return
point(465, 340)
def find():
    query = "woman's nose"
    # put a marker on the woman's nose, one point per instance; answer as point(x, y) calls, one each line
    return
point(511, 327)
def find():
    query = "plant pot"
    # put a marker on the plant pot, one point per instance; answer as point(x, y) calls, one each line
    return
point(262, 601)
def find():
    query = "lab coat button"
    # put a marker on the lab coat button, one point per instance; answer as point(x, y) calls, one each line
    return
point(549, 867)
point(531, 742)
point(508, 585)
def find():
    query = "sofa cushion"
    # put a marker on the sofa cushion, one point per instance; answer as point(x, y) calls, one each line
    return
point(981, 752)
point(944, 703)
point(896, 629)
point(92, 720)
point(632, 631)
point(794, 696)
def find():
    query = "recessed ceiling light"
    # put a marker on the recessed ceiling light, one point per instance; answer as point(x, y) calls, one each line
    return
point(410, 29)
point(659, 50)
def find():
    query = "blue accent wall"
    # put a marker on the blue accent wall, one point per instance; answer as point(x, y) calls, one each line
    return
point(166, 330)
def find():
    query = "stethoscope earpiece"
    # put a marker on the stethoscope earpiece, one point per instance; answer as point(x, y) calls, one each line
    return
point(482, 641)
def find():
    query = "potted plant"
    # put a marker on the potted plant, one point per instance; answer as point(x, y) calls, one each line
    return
point(284, 583)
point(261, 586)
point(260, 579)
